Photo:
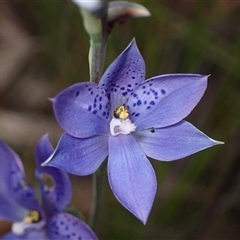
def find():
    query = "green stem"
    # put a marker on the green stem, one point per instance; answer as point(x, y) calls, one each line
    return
point(98, 53)
point(98, 184)
point(96, 60)
point(97, 30)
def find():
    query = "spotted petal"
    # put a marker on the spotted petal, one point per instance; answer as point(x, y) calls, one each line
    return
point(131, 176)
point(16, 195)
point(82, 110)
point(79, 156)
point(124, 75)
point(55, 184)
point(67, 227)
point(174, 142)
point(166, 100)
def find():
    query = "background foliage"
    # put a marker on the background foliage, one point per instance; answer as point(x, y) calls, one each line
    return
point(44, 48)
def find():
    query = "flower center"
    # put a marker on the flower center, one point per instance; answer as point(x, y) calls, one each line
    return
point(32, 217)
point(120, 123)
point(121, 112)
point(33, 220)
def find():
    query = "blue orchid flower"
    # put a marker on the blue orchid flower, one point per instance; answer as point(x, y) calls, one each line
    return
point(127, 118)
point(19, 205)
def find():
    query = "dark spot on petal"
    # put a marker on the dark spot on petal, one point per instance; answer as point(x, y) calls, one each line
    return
point(77, 93)
point(163, 91)
point(139, 102)
point(152, 103)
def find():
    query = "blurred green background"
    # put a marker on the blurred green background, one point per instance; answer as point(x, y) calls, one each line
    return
point(44, 48)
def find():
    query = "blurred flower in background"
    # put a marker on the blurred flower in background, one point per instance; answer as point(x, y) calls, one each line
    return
point(18, 203)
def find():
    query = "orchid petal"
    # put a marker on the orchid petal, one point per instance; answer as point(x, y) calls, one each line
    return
point(79, 156)
point(124, 75)
point(131, 176)
point(55, 184)
point(65, 226)
point(5, 171)
point(166, 100)
point(10, 209)
point(14, 189)
point(174, 142)
point(82, 110)
point(11, 236)
point(29, 235)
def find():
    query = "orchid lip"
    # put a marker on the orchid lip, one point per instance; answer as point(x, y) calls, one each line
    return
point(33, 220)
point(121, 126)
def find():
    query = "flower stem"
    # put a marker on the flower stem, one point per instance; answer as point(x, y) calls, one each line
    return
point(96, 58)
point(98, 184)
point(96, 28)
